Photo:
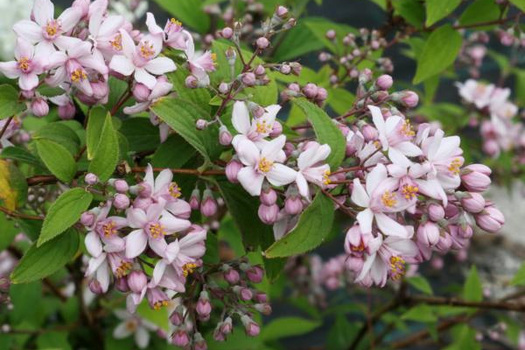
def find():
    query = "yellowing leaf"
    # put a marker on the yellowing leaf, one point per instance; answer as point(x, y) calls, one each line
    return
point(13, 187)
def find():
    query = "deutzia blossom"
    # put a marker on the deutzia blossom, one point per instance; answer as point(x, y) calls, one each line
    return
point(162, 88)
point(46, 31)
point(104, 230)
point(263, 164)
point(312, 167)
point(172, 34)
point(256, 129)
point(379, 198)
point(104, 31)
point(133, 325)
point(27, 66)
point(476, 92)
point(142, 60)
point(199, 64)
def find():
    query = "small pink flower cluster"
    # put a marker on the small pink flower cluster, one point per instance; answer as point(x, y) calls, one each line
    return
point(499, 132)
point(80, 49)
point(156, 226)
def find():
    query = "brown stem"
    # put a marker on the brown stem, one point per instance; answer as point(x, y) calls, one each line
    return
point(493, 305)
point(195, 172)
point(15, 214)
point(6, 125)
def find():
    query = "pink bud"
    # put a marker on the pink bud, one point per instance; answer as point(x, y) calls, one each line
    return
point(177, 318)
point(100, 89)
point(444, 243)
point(268, 214)
point(122, 285)
point(281, 11)
point(87, 218)
point(490, 220)
point(224, 88)
point(199, 343)
point(262, 43)
point(409, 99)
point(265, 309)
point(260, 70)
point(260, 297)
point(180, 338)
point(480, 168)
point(310, 90)
point(227, 33)
point(141, 92)
point(191, 82)
point(91, 179)
point(473, 202)
point(277, 129)
point(232, 169)
point(322, 94)
point(330, 34)
point(285, 69)
point(226, 327)
point(294, 87)
point(232, 276)
point(436, 212)
point(195, 199)
point(384, 82)
point(369, 133)
point(203, 307)
point(428, 233)
point(255, 274)
point(268, 196)
point(201, 124)
point(39, 107)
point(244, 293)
point(225, 137)
point(144, 190)
point(208, 204)
point(121, 186)
point(121, 201)
point(95, 287)
point(293, 205)
point(67, 111)
point(248, 79)
point(475, 181)
point(252, 329)
point(137, 281)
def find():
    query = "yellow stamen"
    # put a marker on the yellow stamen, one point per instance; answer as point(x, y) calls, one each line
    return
point(455, 165)
point(156, 230)
point(397, 267)
point(265, 165)
point(188, 269)
point(326, 178)
point(52, 28)
point(406, 129)
point(214, 57)
point(146, 50)
point(24, 64)
point(388, 199)
point(175, 22)
point(159, 304)
point(359, 248)
point(262, 127)
point(109, 229)
point(117, 42)
point(409, 191)
point(174, 190)
point(78, 75)
point(123, 269)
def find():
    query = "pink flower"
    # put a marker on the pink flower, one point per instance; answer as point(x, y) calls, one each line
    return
point(150, 228)
point(476, 92)
point(27, 66)
point(312, 167)
point(395, 135)
point(172, 34)
point(379, 198)
point(133, 325)
point(263, 164)
point(256, 129)
point(162, 88)
point(47, 31)
point(104, 31)
point(142, 60)
point(104, 230)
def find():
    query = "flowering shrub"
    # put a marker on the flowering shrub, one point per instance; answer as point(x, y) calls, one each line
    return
point(167, 181)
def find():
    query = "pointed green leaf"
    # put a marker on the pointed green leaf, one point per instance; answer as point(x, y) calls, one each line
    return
point(439, 9)
point(64, 213)
point(97, 117)
point(57, 159)
point(106, 155)
point(519, 4)
point(420, 283)
point(189, 12)
point(9, 105)
point(287, 327)
point(472, 290)
point(314, 225)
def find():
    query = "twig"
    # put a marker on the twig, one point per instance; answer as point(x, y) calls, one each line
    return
point(6, 125)
point(15, 214)
point(195, 172)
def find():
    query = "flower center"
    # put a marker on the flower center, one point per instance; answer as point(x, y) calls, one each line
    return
point(409, 191)
point(78, 75)
point(116, 43)
point(388, 199)
point(109, 229)
point(131, 325)
point(123, 269)
point(262, 127)
point(52, 28)
point(265, 165)
point(455, 165)
point(159, 304)
point(397, 267)
point(24, 64)
point(146, 50)
point(326, 178)
point(407, 130)
point(359, 248)
point(156, 230)
point(174, 190)
point(188, 269)
point(174, 23)
point(214, 57)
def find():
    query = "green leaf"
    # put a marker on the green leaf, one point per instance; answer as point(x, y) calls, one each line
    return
point(173, 153)
point(20, 154)
point(64, 213)
point(519, 277)
point(472, 290)
point(439, 52)
point(464, 338)
point(479, 12)
point(411, 10)
point(288, 327)
point(9, 104)
point(187, 11)
point(20, 294)
point(314, 225)
point(57, 159)
point(199, 96)
point(181, 116)
point(340, 100)
point(141, 134)
point(60, 133)
point(439, 9)
point(43, 260)
point(96, 120)
point(297, 42)
point(420, 283)
point(326, 131)
point(13, 186)
point(53, 340)
point(519, 4)
point(341, 334)
point(319, 26)
point(8, 231)
point(420, 313)
point(106, 155)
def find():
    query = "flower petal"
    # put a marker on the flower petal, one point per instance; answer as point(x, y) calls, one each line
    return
point(281, 175)
point(241, 117)
point(365, 219)
point(160, 65)
point(122, 64)
point(390, 227)
point(142, 76)
point(136, 242)
point(44, 11)
point(251, 180)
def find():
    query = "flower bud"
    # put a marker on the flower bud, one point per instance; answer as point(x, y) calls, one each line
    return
point(195, 199)
point(95, 287)
point(243, 292)
point(199, 343)
point(285, 69)
point(262, 43)
point(268, 196)
point(180, 337)
point(369, 133)
point(255, 274)
point(91, 179)
point(490, 220)
point(444, 243)
point(330, 34)
point(252, 329)
point(260, 70)
point(224, 88)
point(384, 82)
point(121, 186)
point(277, 129)
point(310, 90)
point(137, 281)
point(473, 202)
point(201, 124)
point(225, 137)
point(208, 204)
point(141, 92)
point(232, 169)
point(191, 82)
point(203, 307)
point(260, 297)
point(268, 213)
point(122, 285)
point(436, 212)
point(227, 33)
point(281, 11)
point(293, 205)
point(428, 233)
point(248, 79)
point(87, 218)
point(177, 317)
point(475, 181)
point(121, 201)
point(322, 94)
point(226, 326)
point(39, 107)
point(265, 309)
point(67, 111)
point(407, 98)
point(232, 276)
